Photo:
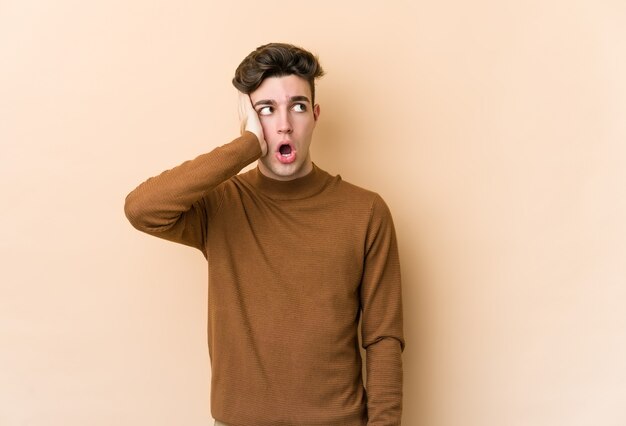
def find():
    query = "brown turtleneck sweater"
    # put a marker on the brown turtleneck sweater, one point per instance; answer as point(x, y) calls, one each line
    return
point(292, 267)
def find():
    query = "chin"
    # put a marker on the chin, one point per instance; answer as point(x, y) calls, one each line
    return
point(284, 171)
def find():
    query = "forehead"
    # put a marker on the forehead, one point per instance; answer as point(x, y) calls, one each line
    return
point(279, 88)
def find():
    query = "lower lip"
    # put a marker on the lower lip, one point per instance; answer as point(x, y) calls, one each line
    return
point(286, 159)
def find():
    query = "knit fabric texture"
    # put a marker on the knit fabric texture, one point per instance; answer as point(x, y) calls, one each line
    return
point(293, 267)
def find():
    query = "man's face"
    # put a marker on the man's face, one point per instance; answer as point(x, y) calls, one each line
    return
point(288, 118)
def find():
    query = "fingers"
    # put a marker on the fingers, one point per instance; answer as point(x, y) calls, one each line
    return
point(243, 111)
point(249, 120)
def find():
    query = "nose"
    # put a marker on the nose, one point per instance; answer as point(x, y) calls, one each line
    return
point(284, 123)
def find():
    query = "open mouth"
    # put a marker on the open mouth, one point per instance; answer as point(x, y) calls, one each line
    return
point(285, 150)
point(286, 154)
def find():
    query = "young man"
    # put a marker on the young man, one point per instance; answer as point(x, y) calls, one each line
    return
point(296, 257)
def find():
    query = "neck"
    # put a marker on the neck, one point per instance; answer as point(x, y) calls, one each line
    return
point(303, 170)
point(302, 187)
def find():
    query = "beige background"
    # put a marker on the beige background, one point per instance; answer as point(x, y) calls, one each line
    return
point(495, 130)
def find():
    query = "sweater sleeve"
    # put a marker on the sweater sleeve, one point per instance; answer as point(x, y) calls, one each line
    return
point(174, 204)
point(382, 335)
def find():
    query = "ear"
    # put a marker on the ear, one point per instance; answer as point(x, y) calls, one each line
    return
point(316, 112)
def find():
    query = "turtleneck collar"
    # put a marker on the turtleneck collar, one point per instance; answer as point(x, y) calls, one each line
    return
point(295, 189)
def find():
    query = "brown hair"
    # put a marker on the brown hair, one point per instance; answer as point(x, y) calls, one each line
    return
point(276, 60)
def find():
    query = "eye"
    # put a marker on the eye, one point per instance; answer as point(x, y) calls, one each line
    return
point(266, 110)
point(299, 107)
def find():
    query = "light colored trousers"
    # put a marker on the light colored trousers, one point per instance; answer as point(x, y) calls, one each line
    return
point(218, 423)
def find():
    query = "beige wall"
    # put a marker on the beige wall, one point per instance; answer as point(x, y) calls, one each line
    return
point(494, 129)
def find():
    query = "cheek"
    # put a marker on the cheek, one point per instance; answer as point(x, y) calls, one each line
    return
point(310, 127)
point(306, 124)
point(266, 125)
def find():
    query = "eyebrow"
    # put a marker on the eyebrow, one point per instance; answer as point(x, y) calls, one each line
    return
point(273, 102)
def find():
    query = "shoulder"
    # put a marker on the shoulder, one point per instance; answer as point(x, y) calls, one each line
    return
point(241, 182)
point(359, 194)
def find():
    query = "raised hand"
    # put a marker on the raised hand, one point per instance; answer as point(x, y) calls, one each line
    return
point(249, 120)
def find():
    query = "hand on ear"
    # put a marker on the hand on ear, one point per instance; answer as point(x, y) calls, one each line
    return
point(249, 120)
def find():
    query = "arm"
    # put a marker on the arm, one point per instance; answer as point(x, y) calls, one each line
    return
point(175, 204)
point(381, 301)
